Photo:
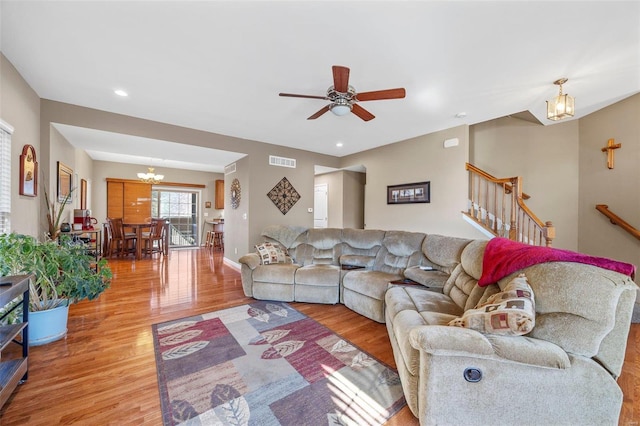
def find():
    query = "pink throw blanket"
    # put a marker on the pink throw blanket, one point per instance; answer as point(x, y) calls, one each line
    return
point(503, 257)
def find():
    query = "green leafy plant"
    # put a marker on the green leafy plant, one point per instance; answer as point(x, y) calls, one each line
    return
point(54, 213)
point(64, 271)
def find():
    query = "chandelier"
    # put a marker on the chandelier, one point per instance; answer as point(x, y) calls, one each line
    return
point(150, 177)
point(562, 106)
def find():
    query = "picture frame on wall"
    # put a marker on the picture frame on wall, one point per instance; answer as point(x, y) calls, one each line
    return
point(28, 172)
point(409, 193)
point(65, 180)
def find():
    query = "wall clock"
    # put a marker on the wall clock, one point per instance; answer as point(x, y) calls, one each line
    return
point(235, 194)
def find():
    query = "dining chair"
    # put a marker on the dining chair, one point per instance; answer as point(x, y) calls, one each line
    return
point(153, 241)
point(124, 241)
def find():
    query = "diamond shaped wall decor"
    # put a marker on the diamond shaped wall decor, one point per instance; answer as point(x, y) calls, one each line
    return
point(284, 195)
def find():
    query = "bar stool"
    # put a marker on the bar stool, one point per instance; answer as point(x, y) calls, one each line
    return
point(218, 236)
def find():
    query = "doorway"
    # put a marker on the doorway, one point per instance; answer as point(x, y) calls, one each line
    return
point(180, 208)
point(320, 206)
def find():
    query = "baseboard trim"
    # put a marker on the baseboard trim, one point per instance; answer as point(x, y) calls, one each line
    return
point(232, 264)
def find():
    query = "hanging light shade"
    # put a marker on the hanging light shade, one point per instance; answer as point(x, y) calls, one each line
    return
point(150, 176)
point(562, 106)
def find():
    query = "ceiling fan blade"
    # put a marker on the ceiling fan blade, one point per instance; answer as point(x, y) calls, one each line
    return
point(340, 78)
point(293, 95)
point(381, 94)
point(362, 113)
point(319, 113)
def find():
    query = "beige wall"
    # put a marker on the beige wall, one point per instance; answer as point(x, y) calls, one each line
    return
point(262, 178)
point(547, 159)
point(415, 160)
point(345, 198)
point(236, 221)
point(619, 187)
point(20, 108)
point(62, 151)
point(353, 184)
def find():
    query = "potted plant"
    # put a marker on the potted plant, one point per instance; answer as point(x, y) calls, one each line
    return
point(64, 274)
point(54, 213)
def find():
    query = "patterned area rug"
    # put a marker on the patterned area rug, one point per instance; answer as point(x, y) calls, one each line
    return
point(268, 364)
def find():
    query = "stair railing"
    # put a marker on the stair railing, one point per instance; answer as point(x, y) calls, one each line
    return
point(497, 204)
point(616, 220)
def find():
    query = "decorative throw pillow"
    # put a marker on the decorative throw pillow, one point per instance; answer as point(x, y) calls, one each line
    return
point(272, 253)
point(511, 312)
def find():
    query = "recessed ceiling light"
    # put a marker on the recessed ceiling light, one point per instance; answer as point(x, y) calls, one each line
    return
point(461, 115)
point(121, 92)
point(339, 144)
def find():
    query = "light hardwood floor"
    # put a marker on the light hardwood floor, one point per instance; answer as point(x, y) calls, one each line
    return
point(104, 372)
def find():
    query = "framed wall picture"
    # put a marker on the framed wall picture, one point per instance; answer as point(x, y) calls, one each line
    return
point(28, 172)
point(407, 193)
point(83, 194)
point(65, 179)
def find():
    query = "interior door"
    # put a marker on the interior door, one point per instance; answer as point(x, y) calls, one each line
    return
point(320, 206)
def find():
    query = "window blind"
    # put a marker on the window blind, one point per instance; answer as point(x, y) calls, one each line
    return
point(5, 177)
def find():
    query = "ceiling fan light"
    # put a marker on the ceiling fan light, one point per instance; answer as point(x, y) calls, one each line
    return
point(339, 109)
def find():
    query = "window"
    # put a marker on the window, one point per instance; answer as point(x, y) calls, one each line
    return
point(180, 208)
point(5, 177)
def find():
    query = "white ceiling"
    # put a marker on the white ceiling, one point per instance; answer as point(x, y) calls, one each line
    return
point(218, 66)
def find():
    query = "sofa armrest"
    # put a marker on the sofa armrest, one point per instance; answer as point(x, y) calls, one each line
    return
point(445, 340)
point(252, 260)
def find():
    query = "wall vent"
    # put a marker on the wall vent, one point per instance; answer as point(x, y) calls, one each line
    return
point(231, 168)
point(282, 161)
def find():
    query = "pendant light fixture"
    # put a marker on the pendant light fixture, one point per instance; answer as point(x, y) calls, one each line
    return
point(150, 177)
point(562, 106)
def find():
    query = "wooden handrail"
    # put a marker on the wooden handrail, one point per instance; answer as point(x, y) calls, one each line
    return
point(506, 181)
point(497, 205)
point(616, 220)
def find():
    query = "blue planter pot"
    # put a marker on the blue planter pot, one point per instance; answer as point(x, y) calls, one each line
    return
point(48, 326)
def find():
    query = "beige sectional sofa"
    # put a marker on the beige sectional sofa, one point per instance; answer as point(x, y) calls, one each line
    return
point(563, 371)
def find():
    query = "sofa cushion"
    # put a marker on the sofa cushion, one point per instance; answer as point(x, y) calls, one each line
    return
point(270, 253)
point(420, 300)
point(283, 273)
point(463, 289)
point(510, 312)
point(357, 260)
point(285, 235)
point(399, 250)
point(318, 275)
point(323, 246)
point(444, 252)
point(409, 307)
point(360, 246)
point(369, 283)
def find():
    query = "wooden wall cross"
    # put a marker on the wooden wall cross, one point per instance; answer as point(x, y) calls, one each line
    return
point(609, 150)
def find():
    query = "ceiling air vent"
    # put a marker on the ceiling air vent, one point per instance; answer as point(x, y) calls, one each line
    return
point(231, 168)
point(282, 162)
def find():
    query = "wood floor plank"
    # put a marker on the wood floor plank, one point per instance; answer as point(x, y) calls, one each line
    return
point(104, 372)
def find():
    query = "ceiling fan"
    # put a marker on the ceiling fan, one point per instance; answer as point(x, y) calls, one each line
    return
point(344, 97)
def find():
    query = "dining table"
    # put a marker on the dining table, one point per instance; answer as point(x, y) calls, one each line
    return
point(138, 227)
